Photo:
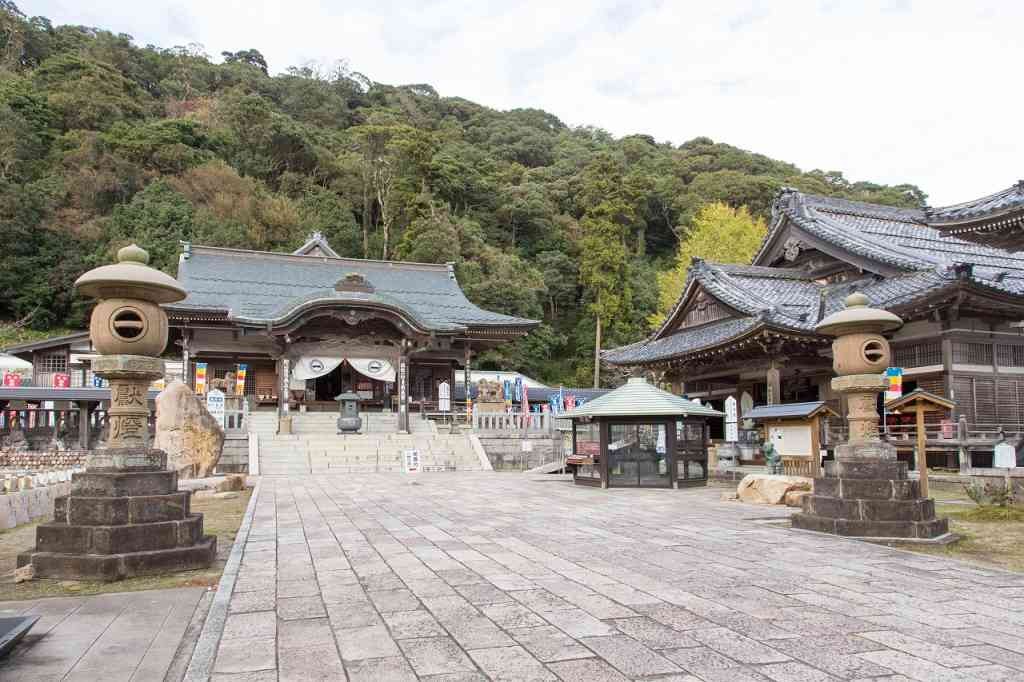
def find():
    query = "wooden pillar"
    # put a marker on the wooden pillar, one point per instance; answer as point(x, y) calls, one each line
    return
point(815, 446)
point(83, 424)
point(602, 430)
point(671, 462)
point(922, 455)
point(186, 372)
point(774, 381)
point(403, 388)
point(467, 376)
point(284, 375)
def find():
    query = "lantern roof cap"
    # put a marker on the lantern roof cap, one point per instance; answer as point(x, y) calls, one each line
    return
point(130, 277)
point(858, 317)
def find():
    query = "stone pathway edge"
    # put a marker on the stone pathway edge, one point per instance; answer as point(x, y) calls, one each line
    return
point(200, 667)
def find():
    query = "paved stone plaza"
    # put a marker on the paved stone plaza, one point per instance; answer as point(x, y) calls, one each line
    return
point(470, 576)
point(110, 637)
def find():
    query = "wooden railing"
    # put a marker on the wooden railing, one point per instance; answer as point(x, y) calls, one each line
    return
point(512, 422)
point(957, 441)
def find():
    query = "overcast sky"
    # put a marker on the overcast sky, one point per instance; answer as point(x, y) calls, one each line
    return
point(924, 91)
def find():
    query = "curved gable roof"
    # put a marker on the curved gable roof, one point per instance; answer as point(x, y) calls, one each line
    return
point(258, 287)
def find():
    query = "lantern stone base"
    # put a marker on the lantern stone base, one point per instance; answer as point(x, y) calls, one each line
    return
point(125, 517)
point(870, 498)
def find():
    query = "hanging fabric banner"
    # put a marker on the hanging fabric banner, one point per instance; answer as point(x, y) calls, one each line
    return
point(240, 379)
point(381, 370)
point(200, 377)
point(311, 367)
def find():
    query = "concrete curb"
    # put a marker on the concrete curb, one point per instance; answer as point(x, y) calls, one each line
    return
point(200, 666)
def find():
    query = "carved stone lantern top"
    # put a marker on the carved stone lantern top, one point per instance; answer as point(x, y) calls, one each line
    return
point(130, 277)
point(858, 318)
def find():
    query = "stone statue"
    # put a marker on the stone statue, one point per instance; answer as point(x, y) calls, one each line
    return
point(772, 459)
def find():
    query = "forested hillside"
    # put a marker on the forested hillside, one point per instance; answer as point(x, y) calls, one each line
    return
point(103, 142)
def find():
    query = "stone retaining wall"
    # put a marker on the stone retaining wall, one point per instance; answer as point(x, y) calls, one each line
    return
point(33, 461)
point(506, 451)
point(34, 504)
point(234, 458)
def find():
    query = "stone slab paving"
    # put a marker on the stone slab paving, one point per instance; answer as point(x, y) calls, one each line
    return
point(486, 576)
point(110, 637)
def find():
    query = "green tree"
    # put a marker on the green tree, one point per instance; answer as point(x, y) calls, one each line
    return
point(720, 233)
point(604, 269)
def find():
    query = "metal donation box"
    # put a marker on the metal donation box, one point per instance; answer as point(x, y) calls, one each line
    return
point(349, 420)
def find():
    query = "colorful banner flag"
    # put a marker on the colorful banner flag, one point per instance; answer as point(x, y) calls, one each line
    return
point(200, 377)
point(895, 387)
point(61, 380)
point(240, 379)
point(12, 380)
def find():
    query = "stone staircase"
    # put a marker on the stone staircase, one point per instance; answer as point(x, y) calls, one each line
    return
point(316, 447)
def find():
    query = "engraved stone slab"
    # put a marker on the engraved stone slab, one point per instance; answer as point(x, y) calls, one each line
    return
point(126, 459)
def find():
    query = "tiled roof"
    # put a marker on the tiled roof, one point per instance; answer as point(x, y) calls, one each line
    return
point(258, 287)
point(638, 398)
point(784, 410)
point(898, 237)
point(682, 342)
point(799, 306)
point(993, 205)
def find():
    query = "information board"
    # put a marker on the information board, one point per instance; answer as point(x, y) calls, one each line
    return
point(215, 405)
point(411, 461)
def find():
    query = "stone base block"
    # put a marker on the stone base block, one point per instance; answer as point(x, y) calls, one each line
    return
point(116, 511)
point(64, 538)
point(124, 484)
point(869, 509)
point(869, 497)
point(106, 568)
point(866, 467)
point(859, 528)
point(126, 459)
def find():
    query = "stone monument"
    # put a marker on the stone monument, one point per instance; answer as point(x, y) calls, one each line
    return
point(865, 492)
point(125, 515)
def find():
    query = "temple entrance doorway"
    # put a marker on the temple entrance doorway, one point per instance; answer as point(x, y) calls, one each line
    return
point(352, 376)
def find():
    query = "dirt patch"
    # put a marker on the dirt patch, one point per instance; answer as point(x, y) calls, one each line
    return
point(221, 517)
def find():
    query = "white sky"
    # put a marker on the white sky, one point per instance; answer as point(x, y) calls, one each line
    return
point(923, 91)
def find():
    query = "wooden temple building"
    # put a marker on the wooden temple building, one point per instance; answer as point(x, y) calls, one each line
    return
point(954, 274)
point(310, 325)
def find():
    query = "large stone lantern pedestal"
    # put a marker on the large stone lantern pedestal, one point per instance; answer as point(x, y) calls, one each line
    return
point(125, 516)
point(865, 492)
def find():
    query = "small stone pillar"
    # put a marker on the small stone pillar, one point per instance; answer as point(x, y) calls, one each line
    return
point(125, 516)
point(865, 492)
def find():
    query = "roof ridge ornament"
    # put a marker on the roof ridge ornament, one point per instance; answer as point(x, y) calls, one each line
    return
point(354, 281)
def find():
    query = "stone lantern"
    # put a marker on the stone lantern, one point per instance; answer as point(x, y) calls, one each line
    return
point(349, 420)
point(129, 329)
point(865, 492)
point(125, 516)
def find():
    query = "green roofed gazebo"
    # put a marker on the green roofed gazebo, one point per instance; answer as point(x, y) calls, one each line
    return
point(640, 436)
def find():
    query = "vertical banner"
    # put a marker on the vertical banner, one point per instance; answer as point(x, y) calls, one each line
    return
point(732, 433)
point(240, 379)
point(444, 397)
point(200, 377)
point(895, 388)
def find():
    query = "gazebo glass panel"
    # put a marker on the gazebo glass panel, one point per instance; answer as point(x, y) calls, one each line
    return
point(691, 451)
point(588, 448)
point(637, 455)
